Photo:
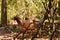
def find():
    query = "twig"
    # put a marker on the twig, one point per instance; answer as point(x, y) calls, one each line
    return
point(45, 6)
point(55, 10)
point(41, 25)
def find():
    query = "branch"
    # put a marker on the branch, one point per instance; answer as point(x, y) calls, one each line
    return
point(34, 36)
point(55, 10)
point(45, 6)
point(40, 25)
point(53, 33)
point(22, 32)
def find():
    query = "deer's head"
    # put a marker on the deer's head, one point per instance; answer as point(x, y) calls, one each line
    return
point(16, 17)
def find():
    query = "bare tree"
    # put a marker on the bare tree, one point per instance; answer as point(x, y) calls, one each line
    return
point(51, 11)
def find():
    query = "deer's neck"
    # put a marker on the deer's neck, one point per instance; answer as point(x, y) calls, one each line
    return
point(19, 22)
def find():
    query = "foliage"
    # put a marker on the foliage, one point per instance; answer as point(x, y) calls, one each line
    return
point(30, 8)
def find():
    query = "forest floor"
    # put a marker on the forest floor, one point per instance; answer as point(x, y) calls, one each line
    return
point(6, 35)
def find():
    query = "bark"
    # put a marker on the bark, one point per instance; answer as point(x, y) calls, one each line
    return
point(4, 13)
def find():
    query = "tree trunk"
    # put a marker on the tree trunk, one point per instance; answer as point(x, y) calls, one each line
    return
point(4, 13)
